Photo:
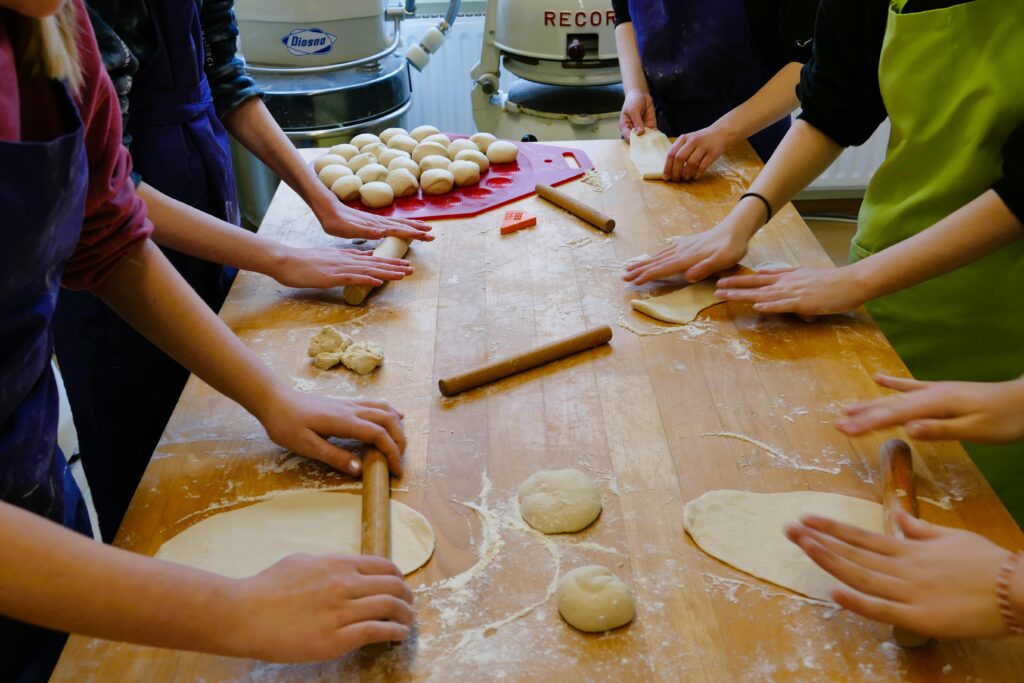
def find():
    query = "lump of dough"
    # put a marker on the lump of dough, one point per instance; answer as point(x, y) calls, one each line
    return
point(360, 160)
point(332, 172)
point(347, 187)
point(389, 133)
point(345, 151)
point(426, 149)
point(403, 142)
point(376, 195)
point(327, 360)
point(682, 305)
point(326, 160)
point(594, 600)
point(407, 163)
point(328, 340)
point(502, 152)
point(363, 357)
point(436, 181)
point(465, 172)
point(403, 182)
point(389, 155)
point(476, 156)
point(372, 173)
point(374, 148)
point(420, 133)
point(460, 145)
point(482, 140)
point(559, 501)
point(363, 139)
point(434, 161)
point(439, 138)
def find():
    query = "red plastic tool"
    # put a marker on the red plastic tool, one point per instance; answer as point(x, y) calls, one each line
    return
point(517, 220)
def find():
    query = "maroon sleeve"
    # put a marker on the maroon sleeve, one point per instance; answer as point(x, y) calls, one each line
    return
point(115, 218)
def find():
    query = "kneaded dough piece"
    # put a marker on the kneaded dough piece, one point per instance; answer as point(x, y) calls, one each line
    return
point(482, 140)
point(326, 361)
point(389, 133)
point(332, 172)
point(376, 195)
point(502, 152)
point(360, 160)
point(363, 357)
point(403, 183)
point(594, 600)
point(436, 181)
point(363, 139)
point(347, 187)
point(460, 145)
point(476, 156)
point(426, 149)
point(465, 172)
point(345, 151)
point(328, 340)
point(745, 530)
point(389, 155)
point(372, 173)
point(434, 161)
point(421, 133)
point(682, 305)
point(403, 143)
point(559, 501)
point(245, 541)
point(648, 153)
point(407, 163)
point(326, 160)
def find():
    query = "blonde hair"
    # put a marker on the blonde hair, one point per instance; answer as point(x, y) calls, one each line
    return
point(47, 47)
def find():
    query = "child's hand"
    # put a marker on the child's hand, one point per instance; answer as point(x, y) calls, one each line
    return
point(328, 267)
point(804, 291)
point(638, 113)
point(691, 154)
point(344, 221)
point(695, 256)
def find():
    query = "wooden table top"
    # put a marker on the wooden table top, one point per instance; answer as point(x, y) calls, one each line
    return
point(640, 416)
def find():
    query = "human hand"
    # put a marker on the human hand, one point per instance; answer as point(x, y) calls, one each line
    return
point(328, 267)
point(691, 154)
point(983, 412)
point(343, 221)
point(306, 608)
point(695, 256)
point(804, 291)
point(937, 582)
point(637, 112)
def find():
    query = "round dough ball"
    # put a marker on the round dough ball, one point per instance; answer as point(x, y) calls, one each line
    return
point(434, 161)
point(458, 145)
point(374, 148)
point(559, 501)
point(363, 139)
point(407, 163)
point(465, 172)
point(360, 160)
point(476, 156)
point(372, 173)
point(426, 149)
point(327, 160)
point(376, 195)
point(347, 187)
point(439, 138)
point(403, 182)
point(389, 133)
point(593, 599)
point(403, 142)
point(482, 140)
point(436, 181)
point(345, 151)
point(389, 155)
point(331, 173)
point(502, 152)
point(419, 133)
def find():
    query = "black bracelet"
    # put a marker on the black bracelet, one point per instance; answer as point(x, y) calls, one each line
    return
point(767, 204)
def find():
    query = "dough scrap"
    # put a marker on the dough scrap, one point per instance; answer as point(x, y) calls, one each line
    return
point(594, 600)
point(327, 360)
point(745, 530)
point(559, 501)
point(363, 357)
point(648, 153)
point(328, 340)
point(245, 541)
point(682, 305)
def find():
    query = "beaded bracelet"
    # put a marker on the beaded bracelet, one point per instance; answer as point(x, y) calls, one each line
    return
point(1003, 593)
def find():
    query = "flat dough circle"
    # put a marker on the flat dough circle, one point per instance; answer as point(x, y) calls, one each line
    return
point(745, 530)
point(594, 600)
point(559, 501)
point(245, 541)
point(682, 305)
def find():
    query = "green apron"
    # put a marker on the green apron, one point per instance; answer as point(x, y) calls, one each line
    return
point(953, 83)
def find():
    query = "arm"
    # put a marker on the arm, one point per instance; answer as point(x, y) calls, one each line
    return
point(638, 107)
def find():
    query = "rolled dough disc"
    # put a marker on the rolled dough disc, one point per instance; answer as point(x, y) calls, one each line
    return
point(745, 530)
point(648, 153)
point(245, 541)
point(682, 305)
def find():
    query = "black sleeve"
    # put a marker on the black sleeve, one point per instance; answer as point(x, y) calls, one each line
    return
point(782, 30)
point(1010, 187)
point(838, 89)
point(621, 8)
point(225, 70)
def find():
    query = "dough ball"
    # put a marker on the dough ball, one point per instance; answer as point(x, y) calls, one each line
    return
point(403, 142)
point(374, 148)
point(372, 173)
point(426, 149)
point(465, 172)
point(439, 138)
point(559, 501)
point(326, 361)
point(347, 187)
point(360, 160)
point(403, 182)
point(363, 139)
point(328, 340)
point(376, 195)
point(502, 152)
point(389, 133)
point(482, 140)
point(459, 145)
point(436, 181)
point(345, 151)
point(593, 599)
point(332, 172)
point(407, 163)
point(327, 160)
point(389, 155)
point(363, 357)
point(476, 156)
point(434, 161)
point(419, 133)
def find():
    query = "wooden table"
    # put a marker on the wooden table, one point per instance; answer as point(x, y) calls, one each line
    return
point(636, 415)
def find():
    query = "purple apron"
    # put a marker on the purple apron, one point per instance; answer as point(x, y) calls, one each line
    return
point(700, 61)
point(42, 192)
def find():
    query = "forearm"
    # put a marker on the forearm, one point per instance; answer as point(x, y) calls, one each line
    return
point(775, 100)
point(633, 79)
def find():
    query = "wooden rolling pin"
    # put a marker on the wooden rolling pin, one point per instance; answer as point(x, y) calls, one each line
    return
point(898, 493)
point(450, 386)
point(576, 207)
point(389, 247)
point(376, 521)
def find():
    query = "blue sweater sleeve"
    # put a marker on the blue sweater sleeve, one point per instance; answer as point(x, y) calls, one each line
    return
point(229, 82)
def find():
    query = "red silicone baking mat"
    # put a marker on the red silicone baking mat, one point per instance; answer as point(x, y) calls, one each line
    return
point(501, 184)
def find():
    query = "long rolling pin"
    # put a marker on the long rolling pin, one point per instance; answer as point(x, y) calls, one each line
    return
point(451, 386)
point(576, 207)
point(898, 493)
point(376, 520)
point(389, 247)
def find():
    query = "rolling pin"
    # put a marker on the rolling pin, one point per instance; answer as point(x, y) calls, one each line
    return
point(576, 207)
point(451, 386)
point(389, 247)
point(376, 519)
point(898, 493)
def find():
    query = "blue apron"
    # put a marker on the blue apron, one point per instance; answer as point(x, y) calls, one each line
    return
point(122, 389)
point(42, 192)
point(701, 62)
